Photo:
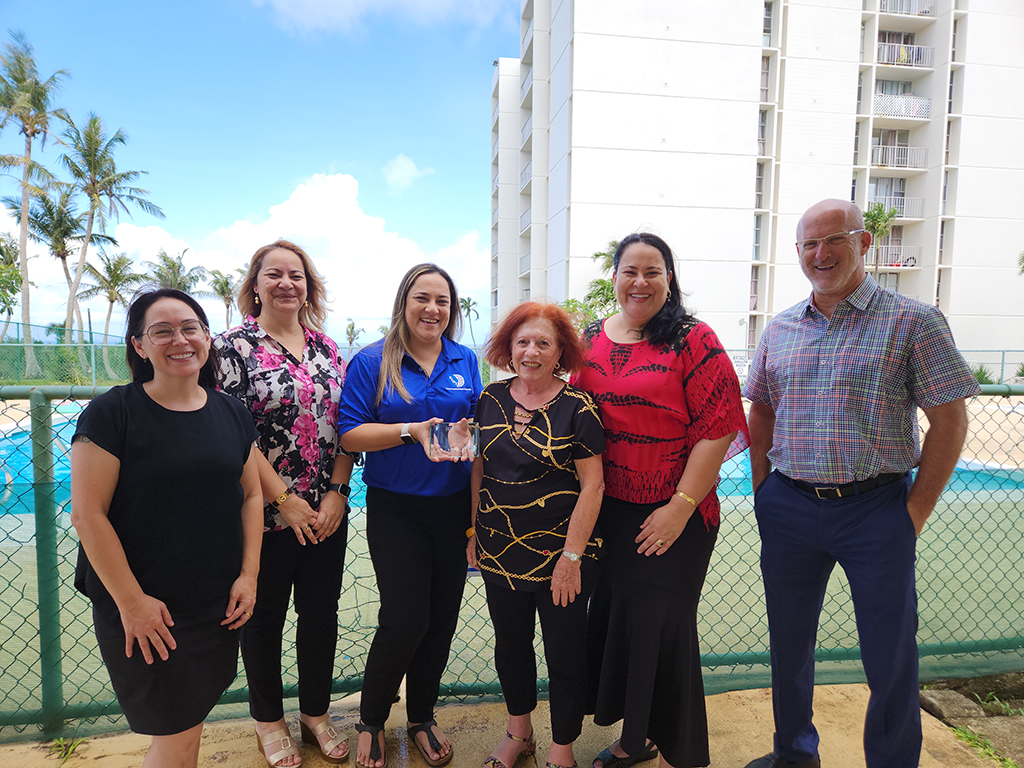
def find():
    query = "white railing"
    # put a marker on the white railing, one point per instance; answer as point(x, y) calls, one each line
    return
point(908, 7)
point(524, 134)
point(761, 147)
point(494, 183)
point(527, 35)
point(494, 147)
point(906, 207)
point(524, 176)
point(494, 249)
point(524, 294)
point(894, 256)
point(494, 213)
point(494, 115)
point(494, 281)
point(524, 263)
point(906, 105)
point(524, 220)
point(901, 55)
point(527, 84)
point(899, 157)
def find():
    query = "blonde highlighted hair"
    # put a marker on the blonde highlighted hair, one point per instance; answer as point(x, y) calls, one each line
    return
point(312, 314)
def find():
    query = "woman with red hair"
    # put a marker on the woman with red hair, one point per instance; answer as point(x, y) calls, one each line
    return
point(536, 490)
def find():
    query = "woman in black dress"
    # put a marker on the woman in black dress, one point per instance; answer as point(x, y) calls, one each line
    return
point(537, 489)
point(165, 497)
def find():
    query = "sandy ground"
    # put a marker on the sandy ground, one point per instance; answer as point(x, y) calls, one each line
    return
point(740, 728)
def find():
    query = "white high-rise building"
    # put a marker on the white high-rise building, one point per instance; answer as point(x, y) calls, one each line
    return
point(716, 124)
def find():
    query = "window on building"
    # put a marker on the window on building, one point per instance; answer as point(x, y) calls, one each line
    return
point(752, 333)
point(494, 299)
point(766, 63)
point(860, 91)
point(942, 239)
point(762, 132)
point(938, 287)
point(754, 274)
point(853, 189)
point(949, 133)
point(952, 79)
point(888, 251)
point(952, 54)
point(759, 186)
point(894, 87)
point(945, 190)
point(758, 221)
point(856, 142)
point(889, 281)
point(766, 39)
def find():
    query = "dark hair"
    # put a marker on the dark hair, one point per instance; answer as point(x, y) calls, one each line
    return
point(142, 370)
point(664, 326)
point(396, 343)
point(498, 350)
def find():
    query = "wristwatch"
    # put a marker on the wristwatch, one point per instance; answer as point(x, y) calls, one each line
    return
point(341, 488)
point(572, 556)
point(406, 437)
point(281, 499)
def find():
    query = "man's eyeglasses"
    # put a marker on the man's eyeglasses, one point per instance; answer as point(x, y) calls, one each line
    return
point(839, 238)
point(162, 334)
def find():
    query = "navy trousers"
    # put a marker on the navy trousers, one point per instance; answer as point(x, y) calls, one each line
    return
point(872, 537)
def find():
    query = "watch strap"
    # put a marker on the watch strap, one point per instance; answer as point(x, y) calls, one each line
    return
point(341, 488)
point(281, 499)
point(406, 437)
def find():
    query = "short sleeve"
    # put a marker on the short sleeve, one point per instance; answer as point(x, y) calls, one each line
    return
point(234, 375)
point(104, 422)
point(358, 395)
point(938, 372)
point(588, 431)
point(712, 391)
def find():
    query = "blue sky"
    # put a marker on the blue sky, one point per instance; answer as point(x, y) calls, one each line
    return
point(358, 128)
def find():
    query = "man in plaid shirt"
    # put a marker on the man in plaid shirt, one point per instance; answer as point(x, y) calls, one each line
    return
point(834, 388)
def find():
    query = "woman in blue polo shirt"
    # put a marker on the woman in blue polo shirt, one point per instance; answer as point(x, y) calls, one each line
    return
point(418, 510)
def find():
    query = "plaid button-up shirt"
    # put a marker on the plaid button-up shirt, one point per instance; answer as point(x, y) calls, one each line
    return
point(845, 389)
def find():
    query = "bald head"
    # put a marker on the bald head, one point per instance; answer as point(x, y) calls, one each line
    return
point(852, 215)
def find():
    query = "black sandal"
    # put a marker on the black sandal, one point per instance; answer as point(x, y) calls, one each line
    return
point(375, 754)
point(435, 745)
point(611, 760)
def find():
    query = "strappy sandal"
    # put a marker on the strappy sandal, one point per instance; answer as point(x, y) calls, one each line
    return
point(610, 760)
point(435, 745)
point(288, 748)
point(556, 765)
point(334, 740)
point(529, 747)
point(375, 753)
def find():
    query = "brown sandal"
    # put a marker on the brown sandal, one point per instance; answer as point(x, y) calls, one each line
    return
point(334, 740)
point(529, 747)
point(288, 748)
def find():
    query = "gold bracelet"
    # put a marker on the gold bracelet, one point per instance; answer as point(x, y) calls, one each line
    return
point(471, 532)
point(685, 497)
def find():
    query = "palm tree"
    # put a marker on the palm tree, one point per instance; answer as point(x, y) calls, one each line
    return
point(116, 277)
point(468, 307)
point(10, 279)
point(26, 99)
point(224, 287)
point(1020, 263)
point(878, 222)
point(170, 272)
point(90, 162)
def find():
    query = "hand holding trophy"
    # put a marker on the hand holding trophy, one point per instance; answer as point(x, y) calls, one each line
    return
point(454, 441)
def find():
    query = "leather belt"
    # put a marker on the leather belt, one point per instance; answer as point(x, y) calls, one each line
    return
point(847, 489)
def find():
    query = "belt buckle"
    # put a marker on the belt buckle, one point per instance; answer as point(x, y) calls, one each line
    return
point(839, 493)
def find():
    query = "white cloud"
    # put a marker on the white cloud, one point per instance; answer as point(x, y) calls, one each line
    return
point(346, 14)
point(400, 172)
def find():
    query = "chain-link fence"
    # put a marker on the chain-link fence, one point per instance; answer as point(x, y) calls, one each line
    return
point(970, 580)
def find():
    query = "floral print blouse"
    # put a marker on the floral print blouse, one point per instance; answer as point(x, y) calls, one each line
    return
point(294, 404)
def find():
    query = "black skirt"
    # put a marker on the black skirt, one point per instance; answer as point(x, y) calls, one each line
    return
point(642, 646)
point(168, 697)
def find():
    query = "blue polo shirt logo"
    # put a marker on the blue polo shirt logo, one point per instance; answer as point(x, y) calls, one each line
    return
point(458, 382)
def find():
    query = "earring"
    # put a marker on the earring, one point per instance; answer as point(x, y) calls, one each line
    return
point(257, 299)
point(307, 304)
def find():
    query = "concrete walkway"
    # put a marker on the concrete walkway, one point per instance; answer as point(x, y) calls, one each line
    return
point(740, 723)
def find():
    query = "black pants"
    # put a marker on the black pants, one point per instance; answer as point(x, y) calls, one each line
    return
point(418, 548)
point(315, 571)
point(564, 629)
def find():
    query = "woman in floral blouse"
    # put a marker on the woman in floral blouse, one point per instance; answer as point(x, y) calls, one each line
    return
point(288, 373)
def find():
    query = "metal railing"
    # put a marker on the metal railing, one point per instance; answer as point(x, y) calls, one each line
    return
point(525, 220)
point(907, 7)
point(527, 35)
point(906, 207)
point(494, 147)
point(524, 263)
point(899, 157)
point(970, 577)
point(525, 174)
point(527, 129)
point(527, 84)
point(893, 256)
point(897, 54)
point(905, 105)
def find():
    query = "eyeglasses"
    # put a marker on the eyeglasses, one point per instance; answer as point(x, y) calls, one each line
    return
point(162, 334)
point(839, 238)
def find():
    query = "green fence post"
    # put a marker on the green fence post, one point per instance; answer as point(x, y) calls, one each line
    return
point(48, 577)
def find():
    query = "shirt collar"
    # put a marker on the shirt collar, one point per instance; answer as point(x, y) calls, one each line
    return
point(254, 329)
point(859, 299)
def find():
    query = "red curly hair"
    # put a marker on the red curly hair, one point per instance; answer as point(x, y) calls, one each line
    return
point(498, 350)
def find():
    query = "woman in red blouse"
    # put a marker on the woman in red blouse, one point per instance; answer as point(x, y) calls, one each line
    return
point(670, 402)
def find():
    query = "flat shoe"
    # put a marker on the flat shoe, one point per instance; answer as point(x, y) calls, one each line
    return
point(775, 760)
point(610, 760)
point(529, 747)
point(334, 740)
point(375, 755)
point(288, 747)
point(435, 745)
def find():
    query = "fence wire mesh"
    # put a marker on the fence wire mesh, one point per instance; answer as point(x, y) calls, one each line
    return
point(52, 680)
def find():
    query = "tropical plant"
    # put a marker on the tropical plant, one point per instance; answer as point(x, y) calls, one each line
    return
point(599, 301)
point(1020, 263)
point(352, 333)
point(878, 221)
point(170, 272)
point(468, 307)
point(383, 329)
point(27, 101)
point(1020, 371)
point(116, 277)
point(93, 170)
point(224, 287)
point(983, 375)
point(10, 279)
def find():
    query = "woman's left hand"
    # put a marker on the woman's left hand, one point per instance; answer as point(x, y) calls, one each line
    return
point(663, 526)
point(329, 514)
point(241, 601)
point(565, 581)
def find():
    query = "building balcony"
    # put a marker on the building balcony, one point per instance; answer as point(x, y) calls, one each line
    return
point(525, 175)
point(494, 117)
point(494, 184)
point(525, 220)
point(494, 215)
point(494, 249)
point(761, 147)
point(898, 55)
point(893, 256)
point(524, 134)
point(528, 36)
point(906, 105)
point(907, 7)
point(906, 207)
point(494, 282)
point(494, 149)
point(527, 86)
point(524, 263)
point(899, 157)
